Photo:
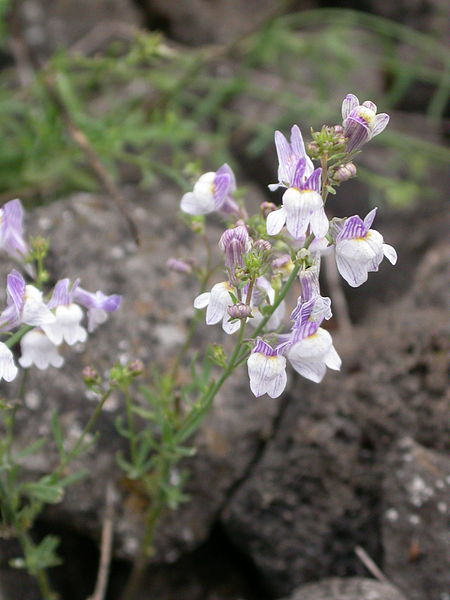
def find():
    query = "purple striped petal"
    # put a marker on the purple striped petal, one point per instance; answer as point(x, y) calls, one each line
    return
point(61, 295)
point(15, 287)
point(350, 103)
point(369, 218)
point(314, 181)
point(299, 174)
point(380, 124)
point(357, 131)
point(354, 228)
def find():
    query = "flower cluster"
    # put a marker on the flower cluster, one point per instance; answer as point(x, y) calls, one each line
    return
point(42, 323)
point(266, 255)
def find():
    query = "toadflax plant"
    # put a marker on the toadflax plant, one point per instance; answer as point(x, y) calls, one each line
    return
point(265, 256)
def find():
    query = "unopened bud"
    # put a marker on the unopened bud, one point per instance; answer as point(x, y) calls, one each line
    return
point(90, 376)
point(339, 129)
point(345, 172)
point(136, 367)
point(313, 149)
point(179, 266)
point(267, 208)
point(239, 311)
point(262, 245)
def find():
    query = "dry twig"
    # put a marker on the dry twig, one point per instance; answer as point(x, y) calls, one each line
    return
point(106, 546)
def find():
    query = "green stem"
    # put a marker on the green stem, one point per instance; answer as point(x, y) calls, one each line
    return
point(90, 424)
point(16, 337)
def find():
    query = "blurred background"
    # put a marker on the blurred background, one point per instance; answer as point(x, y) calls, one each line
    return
point(135, 98)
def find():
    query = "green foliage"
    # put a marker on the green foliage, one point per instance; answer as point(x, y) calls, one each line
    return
point(149, 107)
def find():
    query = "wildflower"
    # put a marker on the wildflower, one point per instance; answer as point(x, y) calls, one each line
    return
point(302, 206)
point(98, 305)
point(37, 349)
point(211, 192)
point(24, 304)
point(217, 301)
point(310, 348)
point(361, 122)
point(68, 316)
point(289, 155)
point(360, 250)
point(8, 369)
point(266, 370)
point(178, 266)
point(239, 311)
point(235, 243)
point(11, 229)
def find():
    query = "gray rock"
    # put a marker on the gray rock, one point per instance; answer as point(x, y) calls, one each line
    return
point(416, 508)
point(49, 25)
point(90, 240)
point(353, 588)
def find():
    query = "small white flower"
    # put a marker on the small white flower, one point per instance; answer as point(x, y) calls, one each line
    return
point(201, 200)
point(217, 302)
point(311, 356)
point(38, 350)
point(8, 369)
point(67, 326)
point(360, 250)
point(266, 370)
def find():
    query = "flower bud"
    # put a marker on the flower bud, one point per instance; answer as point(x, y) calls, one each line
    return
point(239, 311)
point(90, 376)
point(136, 367)
point(178, 266)
point(234, 243)
point(262, 245)
point(268, 207)
point(345, 172)
point(339, 130)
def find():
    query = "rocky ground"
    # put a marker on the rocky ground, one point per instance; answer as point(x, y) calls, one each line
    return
point(283, 491)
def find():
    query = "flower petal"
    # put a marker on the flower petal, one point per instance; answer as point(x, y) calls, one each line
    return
point(390, 253)
point(193, 204)
point(380, 123)
point(8, 369)
point(354, 273)
point(350, 102)
point(275, 221)
point(277, 385)
point(333, 360)
point(202, 301)
point(319, 223)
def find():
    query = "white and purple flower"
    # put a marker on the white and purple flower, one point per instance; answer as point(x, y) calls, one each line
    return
point(24, 304)
point(302, 206)
point(212, 192)
point(217, 302)
point(289, 155)
point(38, 350)
point(361, 122)
point(360, 250)
point(266, 370)
point(66, 327)
point(310, 348)
point(11, 229)
point(98, 305)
